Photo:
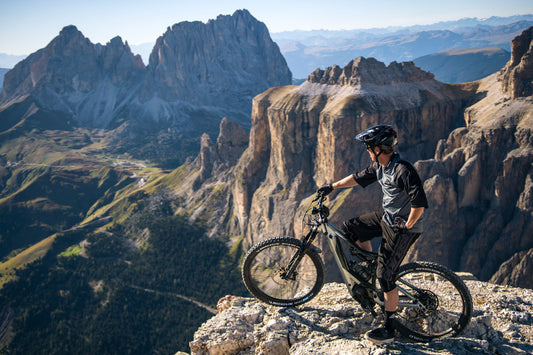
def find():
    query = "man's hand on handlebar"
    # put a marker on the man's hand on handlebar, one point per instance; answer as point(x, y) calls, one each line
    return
point(325, 189)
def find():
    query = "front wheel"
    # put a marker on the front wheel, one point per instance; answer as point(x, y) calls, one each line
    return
point(434, 302)
point(266, 267)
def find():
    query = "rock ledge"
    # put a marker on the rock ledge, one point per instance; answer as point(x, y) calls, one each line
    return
point(333, 323)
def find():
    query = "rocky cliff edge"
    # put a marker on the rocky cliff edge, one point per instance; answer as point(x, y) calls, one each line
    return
point(333, 323)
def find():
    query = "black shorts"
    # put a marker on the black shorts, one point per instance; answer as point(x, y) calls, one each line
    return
point(394, 245)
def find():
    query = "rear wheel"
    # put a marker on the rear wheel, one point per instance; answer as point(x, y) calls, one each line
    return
point(265, 267)
point(434, 302)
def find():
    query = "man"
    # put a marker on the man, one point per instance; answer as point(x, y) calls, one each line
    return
point(399, 223)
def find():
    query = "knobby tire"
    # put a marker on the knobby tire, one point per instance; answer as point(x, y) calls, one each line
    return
point(263, 269)
point(447, 303)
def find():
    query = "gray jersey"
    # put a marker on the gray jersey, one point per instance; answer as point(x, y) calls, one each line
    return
point(401, 186)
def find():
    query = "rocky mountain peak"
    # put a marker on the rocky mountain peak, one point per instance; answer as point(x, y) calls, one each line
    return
point(70, 31)
point(369, 71)
point(70, 72)
point(517, 76)
point(70, 43)
point(233, 55)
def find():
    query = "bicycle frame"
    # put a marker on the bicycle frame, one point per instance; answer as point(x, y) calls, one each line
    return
point(284, 271)
point(350, 278)
point(334, 237)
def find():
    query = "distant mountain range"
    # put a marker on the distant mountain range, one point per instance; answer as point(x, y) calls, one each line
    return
point(464, 65)
point(307, 50)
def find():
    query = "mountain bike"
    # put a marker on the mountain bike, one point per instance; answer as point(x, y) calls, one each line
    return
point(287, 272)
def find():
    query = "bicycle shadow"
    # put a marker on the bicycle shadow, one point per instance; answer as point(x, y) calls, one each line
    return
point(349, 323)
point(352, 324)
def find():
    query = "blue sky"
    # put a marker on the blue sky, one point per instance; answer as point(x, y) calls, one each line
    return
point(28, 25)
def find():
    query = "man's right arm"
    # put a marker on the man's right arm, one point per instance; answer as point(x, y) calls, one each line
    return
point(348, 181)
point(364, 178)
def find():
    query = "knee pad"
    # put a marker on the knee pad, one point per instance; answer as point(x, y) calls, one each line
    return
point(387, 285)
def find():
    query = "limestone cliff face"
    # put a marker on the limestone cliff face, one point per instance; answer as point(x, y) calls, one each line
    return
point(471, 143)
point(518, 73)
point(303, 136)
point(480, 181)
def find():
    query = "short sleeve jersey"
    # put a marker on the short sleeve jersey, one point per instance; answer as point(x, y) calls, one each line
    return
point(401, 186)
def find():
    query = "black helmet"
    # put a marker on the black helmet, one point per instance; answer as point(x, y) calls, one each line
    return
point(381, 135)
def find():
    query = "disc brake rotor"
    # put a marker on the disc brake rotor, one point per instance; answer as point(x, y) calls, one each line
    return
point(429, 303)
point(279, 276)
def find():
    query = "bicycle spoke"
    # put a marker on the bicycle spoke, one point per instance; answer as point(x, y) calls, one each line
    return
point(433, 305)
point(266, 273)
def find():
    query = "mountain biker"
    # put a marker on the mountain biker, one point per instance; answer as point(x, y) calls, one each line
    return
point(399, 223)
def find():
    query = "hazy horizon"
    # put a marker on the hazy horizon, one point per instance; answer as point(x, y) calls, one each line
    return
point(27, 26)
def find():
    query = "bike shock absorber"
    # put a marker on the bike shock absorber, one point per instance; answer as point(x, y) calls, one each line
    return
point(362, 269)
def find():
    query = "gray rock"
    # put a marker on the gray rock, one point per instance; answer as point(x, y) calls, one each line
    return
point(197, 74)
point(333, 323)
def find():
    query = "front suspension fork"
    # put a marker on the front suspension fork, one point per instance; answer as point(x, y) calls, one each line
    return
point(289, 272)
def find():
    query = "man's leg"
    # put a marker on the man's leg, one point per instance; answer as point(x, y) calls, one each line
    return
point(391, 300)
point(394, 247)
point(363, 229)
point(366, 246)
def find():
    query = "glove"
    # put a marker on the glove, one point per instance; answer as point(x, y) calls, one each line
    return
point(400, 223)
point(325, 189)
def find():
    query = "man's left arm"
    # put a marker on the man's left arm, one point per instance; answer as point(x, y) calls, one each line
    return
point(414, 215)
point(412, 184)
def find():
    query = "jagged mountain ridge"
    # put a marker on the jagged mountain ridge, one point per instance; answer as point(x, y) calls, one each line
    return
point(471, 143)
point(198, 73)
point(73, 77)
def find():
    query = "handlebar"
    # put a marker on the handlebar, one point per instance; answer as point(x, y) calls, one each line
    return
point(320, 209)
point(320, 197)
